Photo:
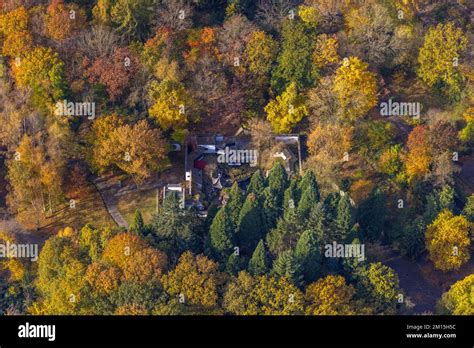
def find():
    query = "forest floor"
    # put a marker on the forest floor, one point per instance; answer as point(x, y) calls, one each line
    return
point(422, 283)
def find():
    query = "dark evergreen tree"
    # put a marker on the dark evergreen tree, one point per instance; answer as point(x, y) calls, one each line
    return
point(259, 264)
point(308, 253)
point(174, 227)
point(412, 242)
point(233, 265)
point(287, 265)
point(290, 198)
point(278, 181)
point(234, 204)
point(371, 215)
point(344, 219)
point(432, 208)
point(257, 183)
point(295, 60)
point(211, 213)
point(317, 222)
point(271, 210)
point(437, 201)
point(468, 210)
point(138, 225)
point(330, 206)
point(221, 235)
point(250, 224)
point(309, 198)
point(353, 267)
point(285, 235)
point(309, 180)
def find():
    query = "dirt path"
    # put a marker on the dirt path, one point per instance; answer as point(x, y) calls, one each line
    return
point(107, 188)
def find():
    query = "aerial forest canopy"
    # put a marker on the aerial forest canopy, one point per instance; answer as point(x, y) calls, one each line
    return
point(236, 157)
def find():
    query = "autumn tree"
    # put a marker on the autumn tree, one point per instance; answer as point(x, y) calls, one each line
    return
point(355, 88)
point(138, 150)
point(138, 261)
point(466, 134)
point(35, 181)
point(170, 105)
point(287, 110)
point(381, 289)
point(114, 72)
point(330, 296)
point(390, 162)
point(260, 53)
point(18, 44)
point(374, 35)
point(328, 146)
point(14, 21)
point(130, 17)
point(447, 241)
point(330, 13)
point(60, 281)
point(418, 159)
point(195, 281)
point(325, 52)
point(232, 40)
point(62, 20)
point(439, 57)
point(43, 72)
point(175, 15)
point(263, 295)
point(458, 299)
point(273, 13)
point(93, 240)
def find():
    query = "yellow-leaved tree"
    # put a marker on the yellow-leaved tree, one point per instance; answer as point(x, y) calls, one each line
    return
point(262, 295)
point(194, 281)
point(13, 21)
point(286, 110)
point(355, 88)
point(459, 299)
point(138, 149)
point(170, 104)
point(440, 57)
point(447, 241)
point(325, 52)
point(330, 296)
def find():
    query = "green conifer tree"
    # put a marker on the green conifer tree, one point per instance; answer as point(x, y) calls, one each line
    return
point(257, 183)
point(221, 235)
point(259, 263)
point(288, 266)
point(308, 253)
point(250, 224)
point(138, 225)
point(344, 220)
